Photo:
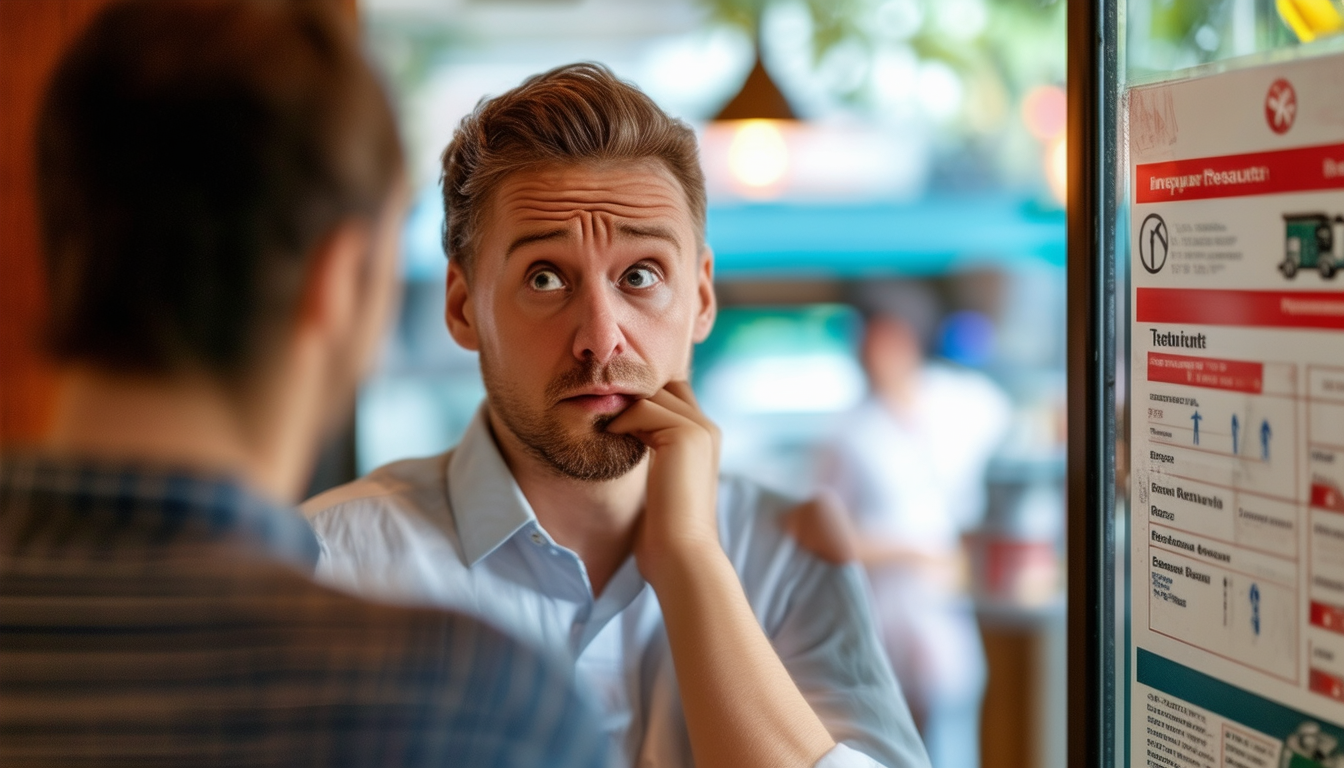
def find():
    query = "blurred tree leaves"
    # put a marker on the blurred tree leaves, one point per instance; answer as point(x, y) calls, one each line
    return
point(1017, 43)
point(833, 21)
point(1174, 34)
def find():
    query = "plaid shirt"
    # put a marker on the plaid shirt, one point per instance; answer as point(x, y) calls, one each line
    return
point(151, 618)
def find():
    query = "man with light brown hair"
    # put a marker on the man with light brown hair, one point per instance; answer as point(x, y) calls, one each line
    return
point(583, 510)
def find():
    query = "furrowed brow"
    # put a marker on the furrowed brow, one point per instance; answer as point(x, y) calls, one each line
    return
point(536, 237)
point(648, 231)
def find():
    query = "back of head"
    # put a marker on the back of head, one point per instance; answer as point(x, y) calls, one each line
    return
point(580, 113)
point(190, 156)
point(910, 303)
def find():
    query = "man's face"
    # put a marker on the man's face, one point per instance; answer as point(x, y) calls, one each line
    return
point(892, 353)
point(588, 289)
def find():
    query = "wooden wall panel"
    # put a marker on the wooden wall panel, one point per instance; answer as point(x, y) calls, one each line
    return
point(1007, 720)
point(33, 33)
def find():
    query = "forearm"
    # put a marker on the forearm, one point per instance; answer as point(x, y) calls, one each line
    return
point(741, 706)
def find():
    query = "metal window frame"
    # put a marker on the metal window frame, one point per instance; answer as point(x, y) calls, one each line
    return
point(1091, 275)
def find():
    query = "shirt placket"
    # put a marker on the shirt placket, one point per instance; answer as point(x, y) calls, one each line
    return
point(565, 577)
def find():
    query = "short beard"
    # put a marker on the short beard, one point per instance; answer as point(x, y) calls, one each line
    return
point(592, 456)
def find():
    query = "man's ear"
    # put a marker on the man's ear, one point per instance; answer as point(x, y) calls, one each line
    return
point(330, 298)
point(709, 303)
point(459, 310)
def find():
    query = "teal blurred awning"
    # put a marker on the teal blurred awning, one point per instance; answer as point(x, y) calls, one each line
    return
point(925, 237)
point(767, 241)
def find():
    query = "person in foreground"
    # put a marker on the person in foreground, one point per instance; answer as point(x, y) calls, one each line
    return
point(583, 509)
point(220, 190)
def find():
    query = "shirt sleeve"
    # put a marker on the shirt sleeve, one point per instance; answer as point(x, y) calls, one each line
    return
point(828, 642)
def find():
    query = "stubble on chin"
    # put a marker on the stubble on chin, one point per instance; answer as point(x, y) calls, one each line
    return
point(590, 453)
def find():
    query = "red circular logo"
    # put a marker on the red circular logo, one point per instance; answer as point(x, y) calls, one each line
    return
point(1280, 106)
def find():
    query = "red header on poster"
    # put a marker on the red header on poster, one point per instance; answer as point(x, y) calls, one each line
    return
point(1259, 173)
point(1269, 309)
point(1234, 375)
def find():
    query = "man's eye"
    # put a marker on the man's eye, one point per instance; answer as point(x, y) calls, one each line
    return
point(641, 277)
point(545, 280)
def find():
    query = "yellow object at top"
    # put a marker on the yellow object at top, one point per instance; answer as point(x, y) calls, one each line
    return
point(1310, 19)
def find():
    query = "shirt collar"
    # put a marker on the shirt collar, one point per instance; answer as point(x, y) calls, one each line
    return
point(488, 506)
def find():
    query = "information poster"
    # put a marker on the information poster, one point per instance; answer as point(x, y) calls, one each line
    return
point(1236, 421)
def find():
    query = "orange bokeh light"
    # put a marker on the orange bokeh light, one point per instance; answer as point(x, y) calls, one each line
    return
point(1045, 111)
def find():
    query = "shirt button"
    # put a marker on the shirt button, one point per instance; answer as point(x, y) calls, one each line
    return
point(537, 538)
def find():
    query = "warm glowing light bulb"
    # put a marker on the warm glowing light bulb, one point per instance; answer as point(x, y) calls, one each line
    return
point(1057, 169)
point(758, 156)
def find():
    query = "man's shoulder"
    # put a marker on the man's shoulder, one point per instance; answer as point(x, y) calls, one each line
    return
point(750, 499)
point(426, 653)
point(816, 528)
point(753, 518)
point(409, 638)
point(783, 556)
point(380, 533)
point(407, 480)
point(379, 629)
point(407, 493)
point(468, 686)
point(340, 672)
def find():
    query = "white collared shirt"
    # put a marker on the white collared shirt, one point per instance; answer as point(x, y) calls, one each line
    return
point(455, 530)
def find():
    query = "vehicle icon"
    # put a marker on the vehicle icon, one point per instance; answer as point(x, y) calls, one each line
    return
point(1310, 747)
point(1312, 241)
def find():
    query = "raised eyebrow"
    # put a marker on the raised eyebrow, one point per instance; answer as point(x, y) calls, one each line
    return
point(653, 231)
point(536, 237)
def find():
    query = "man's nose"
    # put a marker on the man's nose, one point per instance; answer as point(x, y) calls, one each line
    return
point(599, 335)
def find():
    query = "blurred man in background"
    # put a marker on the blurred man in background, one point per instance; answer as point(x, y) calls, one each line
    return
point(909, 464)
point(220, 193)
point(583, 508)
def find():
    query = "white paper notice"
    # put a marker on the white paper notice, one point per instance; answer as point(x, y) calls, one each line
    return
point(1236, 424)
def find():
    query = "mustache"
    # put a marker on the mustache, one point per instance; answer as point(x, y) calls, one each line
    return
point(629, 374)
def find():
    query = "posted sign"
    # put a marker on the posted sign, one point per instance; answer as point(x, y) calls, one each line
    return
point(1236, 423)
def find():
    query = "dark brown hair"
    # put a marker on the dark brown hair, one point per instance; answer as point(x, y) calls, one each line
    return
point(190, 156)
point(574, 113)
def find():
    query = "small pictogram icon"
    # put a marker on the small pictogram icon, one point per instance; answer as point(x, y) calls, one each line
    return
point(1280, 106)
point(1153, 242)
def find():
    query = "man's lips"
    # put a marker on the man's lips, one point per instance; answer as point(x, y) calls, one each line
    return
point(602, 400)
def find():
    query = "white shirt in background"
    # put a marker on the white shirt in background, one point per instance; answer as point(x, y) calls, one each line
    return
point(917, 480)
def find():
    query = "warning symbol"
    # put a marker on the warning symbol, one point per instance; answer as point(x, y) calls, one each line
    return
point(1153, 241)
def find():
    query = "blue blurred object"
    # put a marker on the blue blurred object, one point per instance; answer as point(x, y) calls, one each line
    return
point(798, 241)
point(925, 237)
point(966, 338)
point(423, 259)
